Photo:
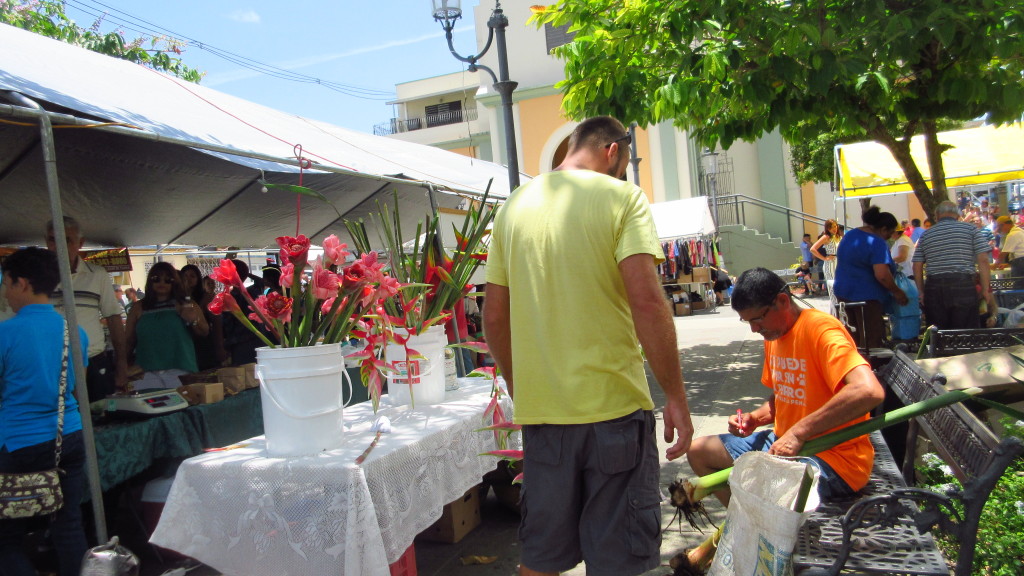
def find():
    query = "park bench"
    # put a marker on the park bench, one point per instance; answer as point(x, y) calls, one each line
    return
point(1008, 283)
point(1009, 298)
point(887, 527)
point(943, 343)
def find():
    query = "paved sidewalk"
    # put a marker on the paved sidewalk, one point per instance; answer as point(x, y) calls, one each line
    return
point(721, 361)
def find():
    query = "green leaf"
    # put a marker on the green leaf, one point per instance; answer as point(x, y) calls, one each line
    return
point(300, 190)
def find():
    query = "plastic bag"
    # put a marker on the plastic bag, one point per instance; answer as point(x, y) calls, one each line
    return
point(110, 559)
point(760, 526)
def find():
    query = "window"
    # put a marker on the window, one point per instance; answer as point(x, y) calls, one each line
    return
point(444, 113)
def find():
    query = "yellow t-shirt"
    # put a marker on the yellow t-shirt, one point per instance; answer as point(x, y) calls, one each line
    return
point(556, 245)
point(805, 368)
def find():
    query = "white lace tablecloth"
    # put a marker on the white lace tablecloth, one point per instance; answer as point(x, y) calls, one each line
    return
point(244, 513)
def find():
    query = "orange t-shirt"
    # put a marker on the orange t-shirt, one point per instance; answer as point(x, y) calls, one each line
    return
point(805, 368)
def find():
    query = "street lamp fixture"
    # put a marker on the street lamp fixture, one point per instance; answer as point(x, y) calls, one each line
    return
point(447, 12)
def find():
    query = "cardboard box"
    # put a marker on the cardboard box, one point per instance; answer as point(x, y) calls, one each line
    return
point(698, 305)
point(683, 309)
point(702, 274)
point(251, 381)
point(457, 520)
point(202, 392)
point(234, 379)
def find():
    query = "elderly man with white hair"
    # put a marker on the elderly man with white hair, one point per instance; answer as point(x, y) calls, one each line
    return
point(952, 253)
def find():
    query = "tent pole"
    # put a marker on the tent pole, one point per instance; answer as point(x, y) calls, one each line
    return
point(74, 341)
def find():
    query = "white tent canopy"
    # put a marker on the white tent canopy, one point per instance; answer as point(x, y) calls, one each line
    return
point(143, 191)
point(687, 217)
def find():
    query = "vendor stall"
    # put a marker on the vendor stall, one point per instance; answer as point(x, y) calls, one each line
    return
point(688, 238)
point(245, 513)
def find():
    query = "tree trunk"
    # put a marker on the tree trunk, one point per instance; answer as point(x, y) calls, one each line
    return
point(900, 150)
point(933, 153)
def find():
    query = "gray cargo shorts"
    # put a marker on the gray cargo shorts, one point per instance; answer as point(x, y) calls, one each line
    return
point(590, 493)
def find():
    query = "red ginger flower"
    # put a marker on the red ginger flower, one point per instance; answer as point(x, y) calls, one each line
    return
point(227, 274)
point(224, 302)
point(294, 249)
point(275, 306)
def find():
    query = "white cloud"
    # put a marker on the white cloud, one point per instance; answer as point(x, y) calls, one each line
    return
point(242, 74)
point(245, 16)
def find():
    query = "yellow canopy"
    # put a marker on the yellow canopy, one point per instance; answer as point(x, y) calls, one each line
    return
point(980, 155)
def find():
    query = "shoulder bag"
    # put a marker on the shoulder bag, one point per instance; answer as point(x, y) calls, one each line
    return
point(38, 493)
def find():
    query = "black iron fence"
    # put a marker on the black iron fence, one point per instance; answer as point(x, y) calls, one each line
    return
point(398, 125)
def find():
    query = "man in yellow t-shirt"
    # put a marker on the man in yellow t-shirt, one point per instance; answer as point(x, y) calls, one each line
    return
point(819, 383)
point(572, 295)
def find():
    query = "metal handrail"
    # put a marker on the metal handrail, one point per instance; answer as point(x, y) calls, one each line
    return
point(732, 210)
point(398, 125)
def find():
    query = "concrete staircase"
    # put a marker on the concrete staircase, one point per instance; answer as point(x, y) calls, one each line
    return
point(746, 248)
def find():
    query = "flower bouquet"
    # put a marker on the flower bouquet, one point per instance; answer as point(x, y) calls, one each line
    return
point(333, 303)
point(432, 281)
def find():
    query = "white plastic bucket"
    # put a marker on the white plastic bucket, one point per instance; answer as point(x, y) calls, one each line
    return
point(303, 396)
point(425, 374)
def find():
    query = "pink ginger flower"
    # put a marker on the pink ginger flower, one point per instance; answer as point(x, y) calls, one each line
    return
point(334, 251)
point(325, 283)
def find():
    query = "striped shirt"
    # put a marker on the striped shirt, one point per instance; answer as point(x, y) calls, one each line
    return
point(94, 300)
point(950, 247)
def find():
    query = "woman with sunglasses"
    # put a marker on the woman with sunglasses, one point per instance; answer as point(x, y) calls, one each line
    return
point(160, 328)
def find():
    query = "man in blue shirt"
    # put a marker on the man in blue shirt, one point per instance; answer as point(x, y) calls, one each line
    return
point(805, 251)
point(31, 358)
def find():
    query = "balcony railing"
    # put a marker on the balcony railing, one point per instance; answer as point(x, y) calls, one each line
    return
point(398, 125)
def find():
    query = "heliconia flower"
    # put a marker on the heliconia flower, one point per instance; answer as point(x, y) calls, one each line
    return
point(224, 302)
point(294, 249)
point(509, 426)
point(227, 274)
point(334, 251)
point(275, 306)
point(325, 283)
point(505, 454)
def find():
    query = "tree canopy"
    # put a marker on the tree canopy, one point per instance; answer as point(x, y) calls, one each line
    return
point(728, 70)
point(47, 17)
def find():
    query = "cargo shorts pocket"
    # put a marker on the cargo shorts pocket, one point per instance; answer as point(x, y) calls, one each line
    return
point(644, 518)
point(618, 445)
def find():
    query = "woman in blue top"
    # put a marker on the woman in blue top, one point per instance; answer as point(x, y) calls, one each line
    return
point(31, 354)
point(864, 272)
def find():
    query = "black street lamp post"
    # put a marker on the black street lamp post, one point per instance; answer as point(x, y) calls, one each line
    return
point(447, 12)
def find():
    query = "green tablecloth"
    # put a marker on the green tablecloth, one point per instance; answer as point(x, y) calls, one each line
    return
point(125, 449)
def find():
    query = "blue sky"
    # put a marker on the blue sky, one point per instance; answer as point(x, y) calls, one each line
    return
point(373, 44)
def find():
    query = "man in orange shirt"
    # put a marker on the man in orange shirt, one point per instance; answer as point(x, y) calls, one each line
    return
point(819, 383)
